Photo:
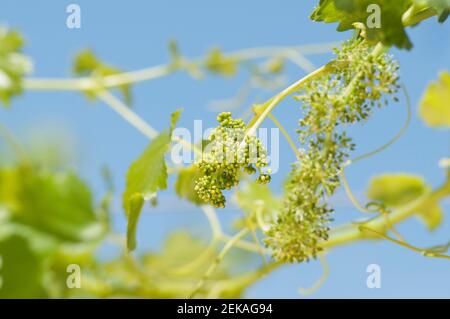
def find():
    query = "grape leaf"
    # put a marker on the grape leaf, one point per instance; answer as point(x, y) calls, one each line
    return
point(435, 104)
point(184, 186)
point(21, 274)
point(58, 205)
point(13, 65)
point(395, 190)
point(145, 177)
point(348, 13)
point(87, 64)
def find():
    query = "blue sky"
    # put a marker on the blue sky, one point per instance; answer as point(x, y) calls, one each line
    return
point(134, 34)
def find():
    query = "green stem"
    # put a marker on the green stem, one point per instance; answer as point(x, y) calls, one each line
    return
point(154, 72)
point(270, 104)
point(285, 134)
point(217, 261)
point(126, 113)
point(417, 13)
point(350, 195)
point(351, 232)
point(392, 140)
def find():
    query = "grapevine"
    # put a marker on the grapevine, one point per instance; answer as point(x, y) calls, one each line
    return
point(50, 216)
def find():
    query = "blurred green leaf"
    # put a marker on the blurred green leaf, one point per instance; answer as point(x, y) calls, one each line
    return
point(145, 177)
point(13, 65)
point(87, 64)
point(185, 183)
point(60, 205)
point(217, 62)
point(57, 204)
point(435, 104)
point(275, 65)
point(21, 271)
point(432, 216)
point(395, 190)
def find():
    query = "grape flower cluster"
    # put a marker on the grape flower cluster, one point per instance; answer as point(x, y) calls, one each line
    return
point(228, 153)
point(358, 82)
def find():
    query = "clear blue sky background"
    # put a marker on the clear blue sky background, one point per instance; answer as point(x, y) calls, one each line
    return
point(134, 34)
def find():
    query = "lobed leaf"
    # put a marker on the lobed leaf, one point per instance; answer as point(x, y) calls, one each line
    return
point(351, 13)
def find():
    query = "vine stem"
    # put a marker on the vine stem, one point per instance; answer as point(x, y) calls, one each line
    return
point(228, 246)
point(88, 83)
point(124, 111)
point(214, 222)
point(135, 120)
point(425, 252)
point(351, 232)
point(294, 54)
point(242, 281)
point(270, 104)
point(350, 194)
point(393, 139)
point(325, 273)
point(285, 134)
point(374, 152)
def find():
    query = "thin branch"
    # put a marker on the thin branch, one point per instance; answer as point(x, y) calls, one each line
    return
point(151, 73)
point(217, 261)
point(285, 134)
point(396, 136)
point(214, 222)
point(124, 111)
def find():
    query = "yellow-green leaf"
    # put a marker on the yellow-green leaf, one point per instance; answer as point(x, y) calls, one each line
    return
point(145, 177)
point(136, 202)
point(432, 216)
point(86, 63)
point(21, 271)
point(435, 105)
point(13, 64)
point(395, 190)
point(217, 62)
point(184, 186)
point(58, 205)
